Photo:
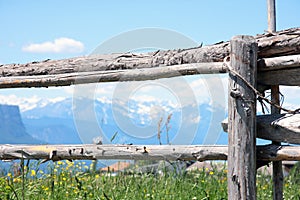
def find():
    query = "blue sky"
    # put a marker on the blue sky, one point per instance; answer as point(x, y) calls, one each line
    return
point(76, 28)
point(93, 22)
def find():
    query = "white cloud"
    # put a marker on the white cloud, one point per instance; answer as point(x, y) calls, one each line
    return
point(56, 99)
point(291, 97)
point(59, 45)
point(210, 89)
point(104, 100)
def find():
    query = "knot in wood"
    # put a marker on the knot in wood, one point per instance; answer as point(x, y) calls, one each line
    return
point(235, 93)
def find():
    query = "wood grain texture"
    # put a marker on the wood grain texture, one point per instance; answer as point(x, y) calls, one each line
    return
point(278, 127)
point(113, 75)
point(128, 152)
point(242, 120)
point(129, 66)
point(289, 77)
point(281, 43)
point(276, 63)
point(140, 152)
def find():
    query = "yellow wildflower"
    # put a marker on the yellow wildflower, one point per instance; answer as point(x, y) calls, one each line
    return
point(17, 180)
point(33, 173)
point(286, 185)
point(69, 163)
point(45, 188)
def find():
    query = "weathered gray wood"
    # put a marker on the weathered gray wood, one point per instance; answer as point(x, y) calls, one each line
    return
point(116, 67)
point(271, 16)
point(224, 125)
point(290, 77)
point(273, 152)
point(214, 53)
point(242, 120)
point(265, 64)
point(275, 98)
point(276, 63)
point(113, 75)
point(279, 128)
point(276, 165)
point(131, 152)
point(281, 43)
point(140, 152)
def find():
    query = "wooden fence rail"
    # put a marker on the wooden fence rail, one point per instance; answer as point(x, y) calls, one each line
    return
point(283, 70)
point(140, 152)
point(112, 75)
point(160, 64)
point(276, 127)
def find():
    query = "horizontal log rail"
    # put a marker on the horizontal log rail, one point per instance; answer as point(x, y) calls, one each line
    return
point(140, 152)
point(285, 66)
point(113, 75)
point(277, 63)
point(276, 127)
point(282, 70)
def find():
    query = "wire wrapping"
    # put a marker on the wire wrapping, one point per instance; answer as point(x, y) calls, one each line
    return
point(260, 97)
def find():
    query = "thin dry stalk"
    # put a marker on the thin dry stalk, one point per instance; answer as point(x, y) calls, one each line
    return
point(159, 130)
point(168, 127)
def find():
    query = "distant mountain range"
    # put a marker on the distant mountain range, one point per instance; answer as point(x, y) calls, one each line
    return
point(75, 121)
point(12, 127)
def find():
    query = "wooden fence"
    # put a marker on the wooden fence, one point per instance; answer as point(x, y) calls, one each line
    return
point(254, 64)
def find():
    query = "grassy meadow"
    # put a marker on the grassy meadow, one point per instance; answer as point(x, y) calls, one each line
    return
point(69, 180)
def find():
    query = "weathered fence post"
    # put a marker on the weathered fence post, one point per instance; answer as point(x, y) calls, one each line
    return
point(277, 165)
point(242, 119)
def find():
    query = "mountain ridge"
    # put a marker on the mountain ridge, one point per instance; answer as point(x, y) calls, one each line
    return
point(12, 128)
point(137, 123)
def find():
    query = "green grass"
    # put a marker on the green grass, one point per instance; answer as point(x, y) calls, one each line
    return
point(67, 180)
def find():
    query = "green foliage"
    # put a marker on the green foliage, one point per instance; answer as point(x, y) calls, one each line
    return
point(67, 180)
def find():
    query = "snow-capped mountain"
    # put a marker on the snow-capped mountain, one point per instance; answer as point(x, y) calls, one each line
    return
point(133, 121)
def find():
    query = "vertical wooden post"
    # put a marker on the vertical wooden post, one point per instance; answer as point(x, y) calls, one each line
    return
point(277, 166)
point(271, 16)
point(242, 119)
